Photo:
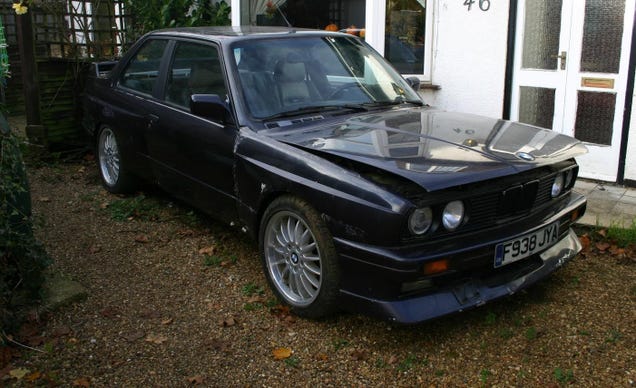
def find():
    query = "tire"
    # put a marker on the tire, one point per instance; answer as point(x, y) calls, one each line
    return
point(299, 257)
point(112, 168)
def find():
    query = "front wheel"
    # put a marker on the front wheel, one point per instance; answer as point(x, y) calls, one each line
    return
point(299, 257)
point(112, 168)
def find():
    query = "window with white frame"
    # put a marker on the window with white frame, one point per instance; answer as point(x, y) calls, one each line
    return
point(407, 36)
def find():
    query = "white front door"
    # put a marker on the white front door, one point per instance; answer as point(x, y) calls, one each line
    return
point(571, 65)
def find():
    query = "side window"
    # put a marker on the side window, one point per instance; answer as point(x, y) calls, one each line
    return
point(195, 69)
point(143, 70)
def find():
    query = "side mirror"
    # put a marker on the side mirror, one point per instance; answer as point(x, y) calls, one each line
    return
point(210, 106)
point(414, 82)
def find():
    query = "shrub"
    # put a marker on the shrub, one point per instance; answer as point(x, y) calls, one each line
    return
point(22, 258)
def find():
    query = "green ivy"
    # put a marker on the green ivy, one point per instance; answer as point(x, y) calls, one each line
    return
point(151, 15)
point(22, 258)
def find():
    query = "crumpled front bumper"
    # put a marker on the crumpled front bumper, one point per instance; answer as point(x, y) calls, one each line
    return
point(472, 292)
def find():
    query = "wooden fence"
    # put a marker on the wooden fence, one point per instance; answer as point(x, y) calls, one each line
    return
point(49, 49)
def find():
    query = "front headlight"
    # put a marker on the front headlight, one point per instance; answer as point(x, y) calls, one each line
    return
point(421, 220)
point(453, 215)
point(557, 185)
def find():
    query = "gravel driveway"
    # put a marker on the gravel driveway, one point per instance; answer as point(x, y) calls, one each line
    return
point(175, 299)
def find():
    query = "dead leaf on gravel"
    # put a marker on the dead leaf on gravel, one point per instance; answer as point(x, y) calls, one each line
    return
point(359, 355)
point(82, 382)
point(217, 344)
point(33, 376)
point(104, 205)
point(61, 331)
point(392, 360)
point(282, 353)
point(256, 299)
point(18, 373)
point(94, 249)
point(602, 232)
point(322, 357)
point(134, 336)
point(150, 314)
point(207, 250)
point(142, 238)
point(44, 199)
point(156, 338)
point(166, 321)
point(602, 246)
point(186, 233)
point(195, 380)
point(109, 312)
point(585, 241)
point(227, 322)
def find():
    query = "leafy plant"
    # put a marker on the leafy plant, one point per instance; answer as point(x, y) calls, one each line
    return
point(154, 14)
point(563, 376)
point(22, 258)
point(136, 207)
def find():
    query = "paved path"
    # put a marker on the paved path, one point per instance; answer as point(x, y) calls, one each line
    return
point(607, 204)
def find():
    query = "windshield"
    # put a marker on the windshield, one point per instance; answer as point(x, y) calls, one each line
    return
point(282, 77)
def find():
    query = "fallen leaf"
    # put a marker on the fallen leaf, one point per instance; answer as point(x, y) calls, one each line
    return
point(602, 232)
point(322, 357)
point(35, 340)
point(166, 321)
point(602, 246)
point(94, 249)
point(282, 353)
point(44, 199)
point(227, 322)
point(81, 169)
point(142, 238)
point(18, 373)
point(585, 241)
point(217, 344)
point(61, 331)
point(195, 380)
point(616, 251)
point(359, 355)
point(134, 336)
point(33, 376)
point(104, 205)
point(256, 299)
point(186, 233)
point(109, 312)
point(207, 250)
point(82, 382)
point(156, 338)
point(392, 360)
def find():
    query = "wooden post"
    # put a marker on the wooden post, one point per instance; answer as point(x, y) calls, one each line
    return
point(35, 131)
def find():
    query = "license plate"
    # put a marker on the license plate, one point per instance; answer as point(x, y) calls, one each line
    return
point(526, 245)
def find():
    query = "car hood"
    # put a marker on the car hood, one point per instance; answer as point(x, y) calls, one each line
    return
point(436, 149)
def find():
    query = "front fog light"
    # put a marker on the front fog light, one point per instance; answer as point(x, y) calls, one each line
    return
point(557, 185)
point(453, 215)
point(421, 220)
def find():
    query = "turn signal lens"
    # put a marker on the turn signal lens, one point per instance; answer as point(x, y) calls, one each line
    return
point(453, 215)
point(421, 220)
point(434, 267)
point(557, 185)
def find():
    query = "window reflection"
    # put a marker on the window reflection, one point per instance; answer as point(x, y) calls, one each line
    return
point(404, 40)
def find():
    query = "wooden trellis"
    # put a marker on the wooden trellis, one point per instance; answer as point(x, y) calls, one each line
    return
point(49, 49)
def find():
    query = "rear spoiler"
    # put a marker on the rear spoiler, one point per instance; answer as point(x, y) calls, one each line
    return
point(101, 69)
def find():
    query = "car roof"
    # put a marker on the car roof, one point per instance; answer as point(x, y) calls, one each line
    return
point(238, 32)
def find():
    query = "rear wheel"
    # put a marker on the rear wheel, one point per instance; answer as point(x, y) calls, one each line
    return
point(299, 257)
point(112, 168)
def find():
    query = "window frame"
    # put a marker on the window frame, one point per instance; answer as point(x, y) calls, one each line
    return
point(376, 28)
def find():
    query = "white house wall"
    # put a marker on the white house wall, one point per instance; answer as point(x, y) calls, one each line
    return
point(469, 57)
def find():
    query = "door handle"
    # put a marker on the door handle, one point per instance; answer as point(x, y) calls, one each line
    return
point(151, 120)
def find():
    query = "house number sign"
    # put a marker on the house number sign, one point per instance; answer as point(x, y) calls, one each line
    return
point(484, 5)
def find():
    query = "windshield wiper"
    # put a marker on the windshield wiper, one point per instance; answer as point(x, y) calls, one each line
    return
point(318, 109)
